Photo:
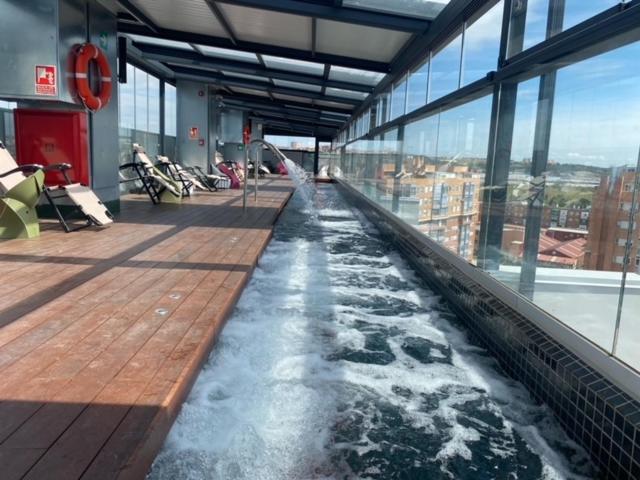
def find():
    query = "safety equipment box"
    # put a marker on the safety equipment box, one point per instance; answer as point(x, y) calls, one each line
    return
point(50, 137)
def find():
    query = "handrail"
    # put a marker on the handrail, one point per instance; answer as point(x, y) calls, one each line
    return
point(256, 167)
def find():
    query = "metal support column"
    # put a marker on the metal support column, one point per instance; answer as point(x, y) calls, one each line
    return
point(503, 108)
point(316, 158)
point(539, 162)
point(496, 180)
point(397, 181)
point(161, 146)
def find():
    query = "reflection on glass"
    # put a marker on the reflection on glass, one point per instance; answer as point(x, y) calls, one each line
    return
point(398, 99)
point(445, 69)
point(482, 44)
point(417, 87)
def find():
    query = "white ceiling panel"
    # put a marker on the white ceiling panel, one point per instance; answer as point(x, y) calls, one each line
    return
point(185, 15)
point(299, 86)
point(359, 41)
point(265, 26)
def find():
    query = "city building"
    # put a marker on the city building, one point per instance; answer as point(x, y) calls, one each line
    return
point(610, 227)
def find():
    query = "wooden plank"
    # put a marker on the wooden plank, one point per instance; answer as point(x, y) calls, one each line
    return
point(93, 372)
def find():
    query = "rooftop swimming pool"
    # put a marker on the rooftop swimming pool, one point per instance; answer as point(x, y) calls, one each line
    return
point(339, 363)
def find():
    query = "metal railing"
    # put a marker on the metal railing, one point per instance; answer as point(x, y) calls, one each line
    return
point(256, 166)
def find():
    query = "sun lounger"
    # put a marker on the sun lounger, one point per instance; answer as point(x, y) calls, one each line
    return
point(20, 190)
point(185, 175)
point(159, 186)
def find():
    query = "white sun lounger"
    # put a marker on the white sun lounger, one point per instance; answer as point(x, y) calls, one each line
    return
point(159, 186)
point(182, 174)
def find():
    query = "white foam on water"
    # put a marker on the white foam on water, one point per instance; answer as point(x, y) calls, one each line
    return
point(275, 391)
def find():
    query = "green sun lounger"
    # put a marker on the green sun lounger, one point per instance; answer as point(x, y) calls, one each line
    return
point(20, 190)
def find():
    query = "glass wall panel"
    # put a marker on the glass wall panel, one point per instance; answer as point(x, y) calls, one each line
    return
point(567, 13)
point(141, 105)
point(445, 69)
point(430, 173)
point(576, 11)
point(126, 99)
point(170, 119)
point(7, 126)
point(399, 99)
point(418, 173)
point(154, 104)
point(575, 146)
point(417, 87)
point(390, 148)
point(482, 44)
point(463, 139)
point(139, 114)
point(629, 333)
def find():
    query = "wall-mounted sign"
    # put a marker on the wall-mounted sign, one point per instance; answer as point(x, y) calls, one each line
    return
point(193, 133)
point(104, 40)
point(46, 82)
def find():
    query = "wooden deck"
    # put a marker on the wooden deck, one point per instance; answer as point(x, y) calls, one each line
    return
point(103, 331)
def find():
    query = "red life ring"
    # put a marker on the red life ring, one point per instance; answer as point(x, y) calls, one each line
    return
point(87, 53)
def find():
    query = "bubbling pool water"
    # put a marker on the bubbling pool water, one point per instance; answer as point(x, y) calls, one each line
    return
point(338, 363)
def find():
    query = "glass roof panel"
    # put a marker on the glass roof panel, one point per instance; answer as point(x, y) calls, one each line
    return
point(365, 77)
point(244, 75)
point(160, 42)
point(228, 54)
point(299, 86)
point(428, 9)
point(298, 66)
point(338, 92)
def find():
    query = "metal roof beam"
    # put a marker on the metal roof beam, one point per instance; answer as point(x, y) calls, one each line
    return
point(219, 79)
point(229, 100)
point(139, 15)
point(222, 19)
point(277, 109)
point(194, 60)
point(302, 121)
point(125, 26)
point(282, 103)
point(369, 18)
point(284, 117)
